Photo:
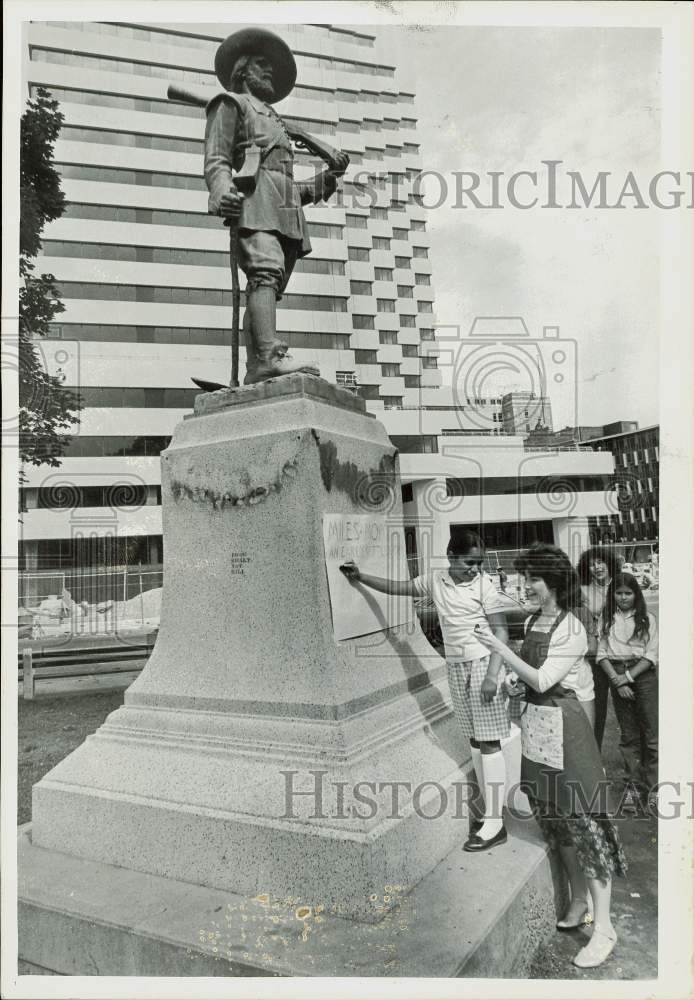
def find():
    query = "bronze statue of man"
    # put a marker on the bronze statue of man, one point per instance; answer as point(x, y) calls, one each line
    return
point(256, 69)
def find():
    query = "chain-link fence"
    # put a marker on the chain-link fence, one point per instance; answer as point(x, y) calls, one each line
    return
point(83, 600)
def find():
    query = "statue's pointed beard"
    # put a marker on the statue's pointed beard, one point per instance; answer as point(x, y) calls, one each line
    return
point(259, 86)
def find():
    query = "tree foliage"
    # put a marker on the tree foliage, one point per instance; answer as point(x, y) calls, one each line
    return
point(46, 408)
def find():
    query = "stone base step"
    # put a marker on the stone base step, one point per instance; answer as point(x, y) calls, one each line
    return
point(475, 915)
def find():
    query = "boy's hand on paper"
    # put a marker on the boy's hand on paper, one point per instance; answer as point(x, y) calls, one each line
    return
point(351, 571)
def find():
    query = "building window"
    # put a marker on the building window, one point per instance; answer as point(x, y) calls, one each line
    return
point(430, 362)
point(425, 307)
point(132, 139)
point(148, 293)
point(346, 379)
point(400, 234)
point(360, 322)
point(420, 252)
point(392, 402)
point(420, 444)
point(410, 351)
point(383, 274)
point(407, 321)
point(418, 226)
point(321, 230)
point(405, 292)
point(387, 337)
point(99, 99)
point(385, 305)
point(121, 175)
point(390, 370)
point(422, 279)
point(88, 446)
point(426, 333)
point(412, 381)
point(356, 221)
point(378, 213)
point(360, 287)
point(130, 396)
point(358, 253)
point(380, 243)
point(403, 263)
point(369, 392)
point(365, 357)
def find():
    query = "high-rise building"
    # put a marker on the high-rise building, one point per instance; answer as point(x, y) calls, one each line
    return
point(144, 270)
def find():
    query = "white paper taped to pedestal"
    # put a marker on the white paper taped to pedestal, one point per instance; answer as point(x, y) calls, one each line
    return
point(377, 546)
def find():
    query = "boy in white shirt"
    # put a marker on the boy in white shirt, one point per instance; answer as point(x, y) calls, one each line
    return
point(466, 599)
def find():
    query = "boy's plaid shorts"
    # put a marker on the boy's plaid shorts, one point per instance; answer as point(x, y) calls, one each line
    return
point(479, 720)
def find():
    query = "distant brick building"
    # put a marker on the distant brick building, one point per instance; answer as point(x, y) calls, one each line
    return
point(637, 467)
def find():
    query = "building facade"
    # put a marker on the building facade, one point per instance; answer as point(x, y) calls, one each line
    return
point(634, 508)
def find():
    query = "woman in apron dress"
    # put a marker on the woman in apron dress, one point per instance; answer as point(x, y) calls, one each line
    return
point(561, 771)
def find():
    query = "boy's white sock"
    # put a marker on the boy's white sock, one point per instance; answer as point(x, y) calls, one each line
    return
point(511, 749)
point(494, 778)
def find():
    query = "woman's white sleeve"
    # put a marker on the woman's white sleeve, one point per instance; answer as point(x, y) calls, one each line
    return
point(567, 648)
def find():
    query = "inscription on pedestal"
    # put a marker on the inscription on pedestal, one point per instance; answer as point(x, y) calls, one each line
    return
point(375, 543)
point(238, 562)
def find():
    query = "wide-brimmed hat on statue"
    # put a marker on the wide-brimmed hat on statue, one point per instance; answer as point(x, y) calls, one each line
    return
point(257, 42)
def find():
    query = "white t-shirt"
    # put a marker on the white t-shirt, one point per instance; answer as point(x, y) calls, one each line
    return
point(566, 661)
point(460, 606)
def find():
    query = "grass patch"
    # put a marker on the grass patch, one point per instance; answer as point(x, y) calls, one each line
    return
point(49, 729)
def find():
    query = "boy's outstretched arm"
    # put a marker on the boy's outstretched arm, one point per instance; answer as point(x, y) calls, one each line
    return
point(400, 588)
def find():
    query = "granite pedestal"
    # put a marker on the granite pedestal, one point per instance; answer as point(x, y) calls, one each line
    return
point(248, 700)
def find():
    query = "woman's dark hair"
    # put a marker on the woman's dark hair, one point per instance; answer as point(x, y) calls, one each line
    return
point(552, 565)
point(641, 623)
point(596, 552)
point(461, 543)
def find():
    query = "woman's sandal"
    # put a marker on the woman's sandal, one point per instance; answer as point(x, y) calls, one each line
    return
point(598, 949)
point(583, 918)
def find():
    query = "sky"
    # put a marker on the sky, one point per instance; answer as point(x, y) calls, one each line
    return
point(505, 99)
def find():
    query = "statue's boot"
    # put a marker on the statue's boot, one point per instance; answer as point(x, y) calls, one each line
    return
point(267, 356)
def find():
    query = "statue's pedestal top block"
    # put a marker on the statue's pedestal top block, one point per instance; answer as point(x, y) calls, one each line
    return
point(294, 386)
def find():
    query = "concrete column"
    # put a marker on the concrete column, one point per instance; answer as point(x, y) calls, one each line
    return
point(572, 535)
point(432, 522)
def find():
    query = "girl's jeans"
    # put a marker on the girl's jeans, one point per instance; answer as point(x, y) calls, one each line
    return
point(638, 726)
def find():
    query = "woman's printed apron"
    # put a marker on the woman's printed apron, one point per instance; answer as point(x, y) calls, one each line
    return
point(561, 763)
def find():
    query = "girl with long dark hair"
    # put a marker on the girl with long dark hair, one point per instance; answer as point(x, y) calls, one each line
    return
point(628, 654)
point(561, 769)
point(595, 569)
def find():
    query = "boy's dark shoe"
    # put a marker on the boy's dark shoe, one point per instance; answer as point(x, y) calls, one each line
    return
point(475, 842)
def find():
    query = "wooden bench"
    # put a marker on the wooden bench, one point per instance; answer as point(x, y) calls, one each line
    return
point(66, 663)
